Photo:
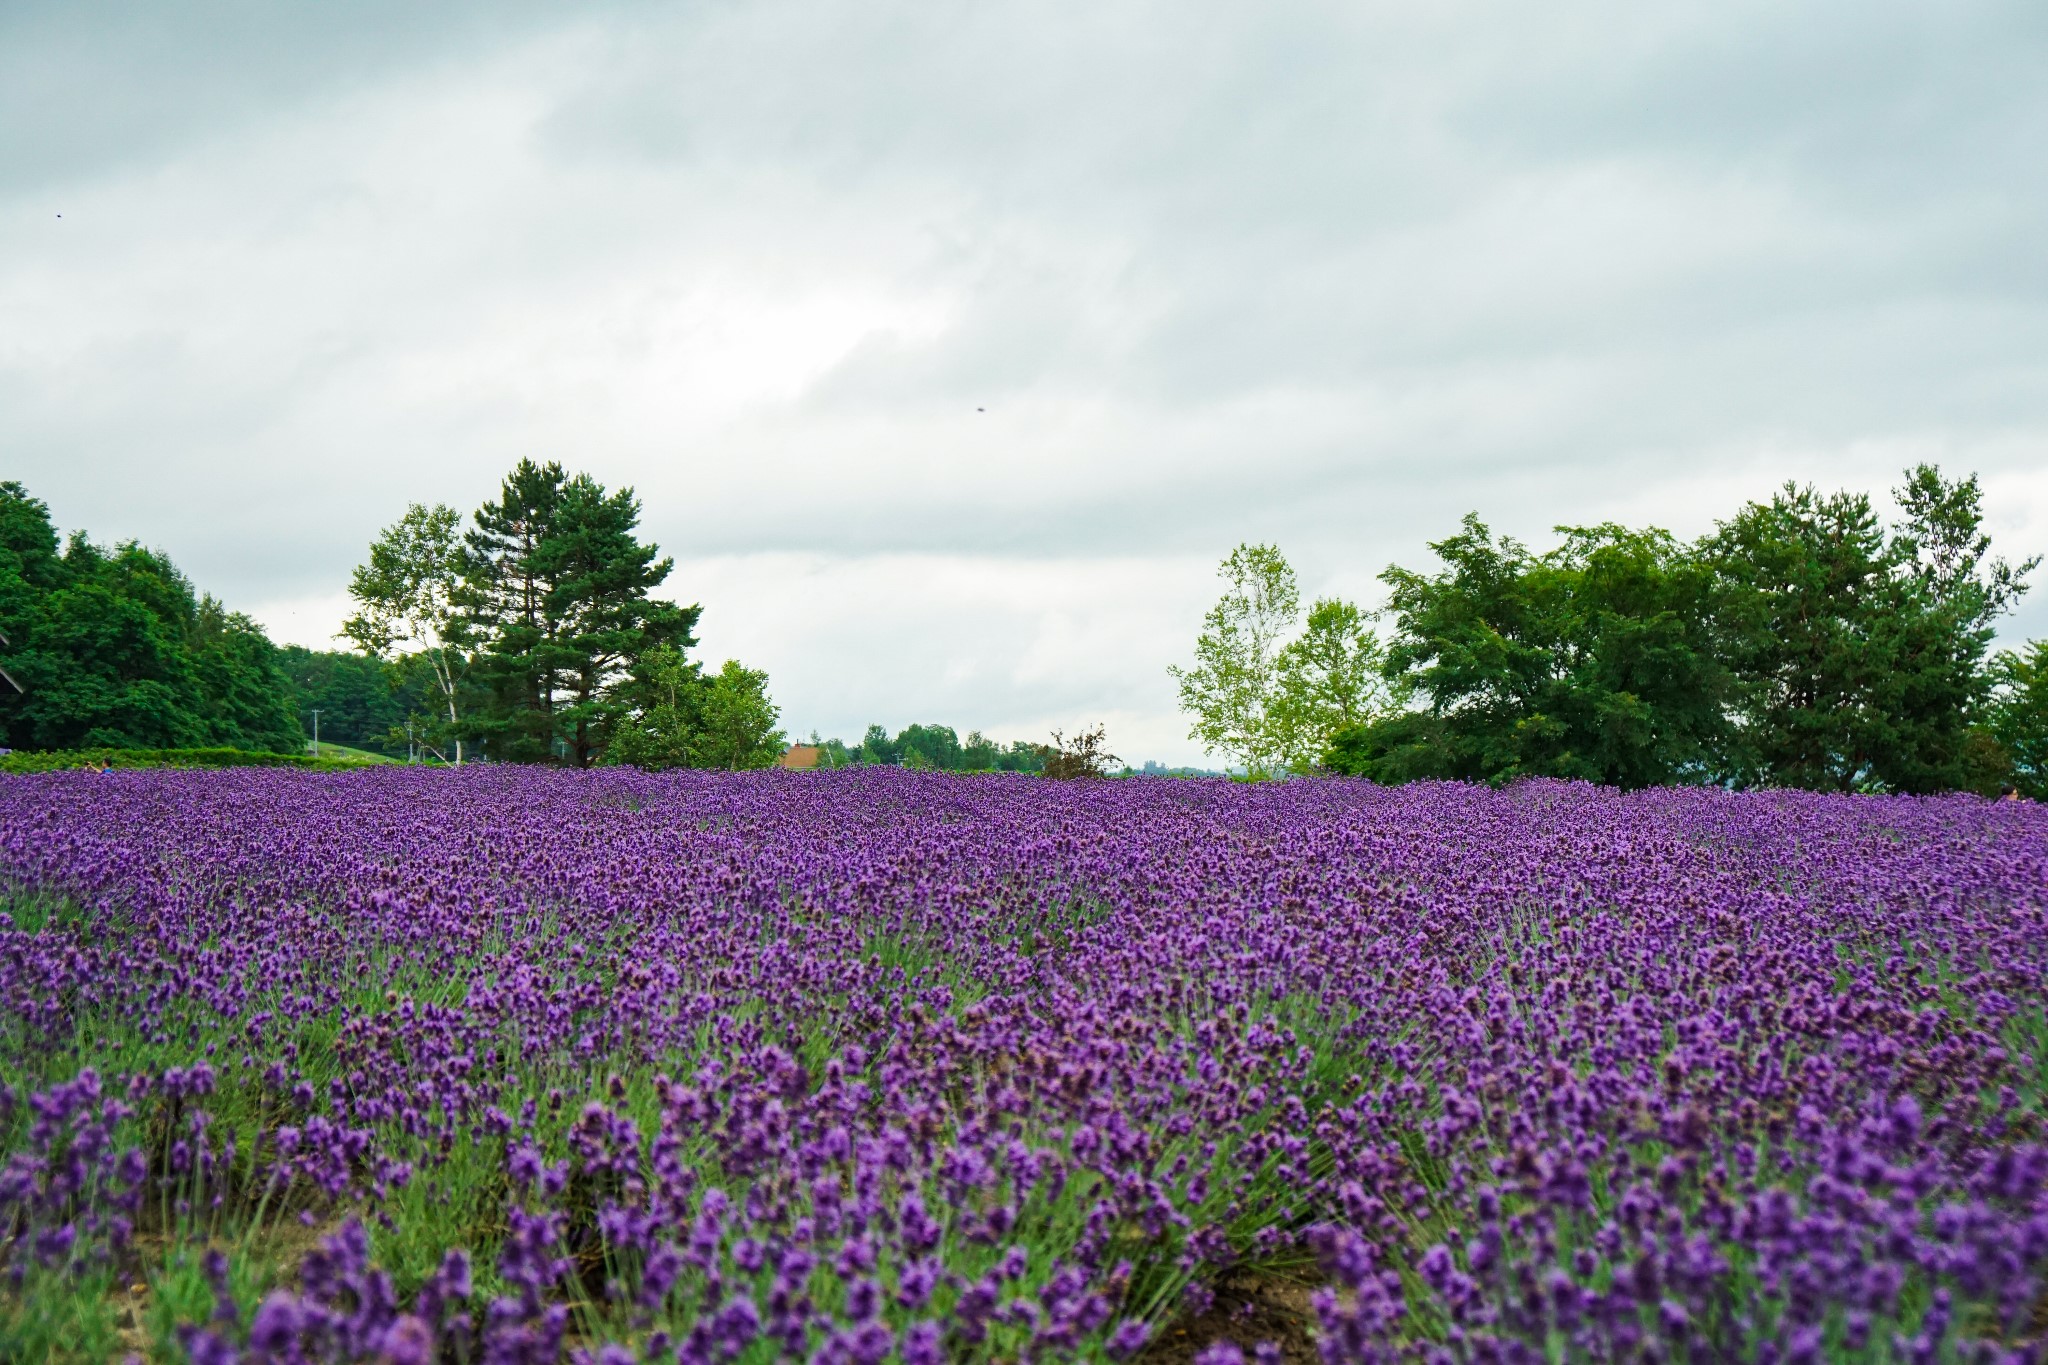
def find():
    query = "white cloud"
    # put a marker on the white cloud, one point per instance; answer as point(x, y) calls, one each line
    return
point(1329, 275)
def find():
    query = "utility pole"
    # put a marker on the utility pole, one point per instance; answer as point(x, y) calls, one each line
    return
point(316, 732)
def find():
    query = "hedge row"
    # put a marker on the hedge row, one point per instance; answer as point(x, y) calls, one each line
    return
point(54, 759)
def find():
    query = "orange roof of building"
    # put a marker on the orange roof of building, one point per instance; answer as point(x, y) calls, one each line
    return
point(800, 756)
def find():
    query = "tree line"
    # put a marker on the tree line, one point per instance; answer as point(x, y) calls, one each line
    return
point(529, 633)
point(533, 634)
point(1801, 643)
point(531, 630)
point(1083, 755)
point(935, 748)
point(112, 647)
point(1804, 642)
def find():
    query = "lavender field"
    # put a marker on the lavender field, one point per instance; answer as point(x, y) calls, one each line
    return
point(527, 1066)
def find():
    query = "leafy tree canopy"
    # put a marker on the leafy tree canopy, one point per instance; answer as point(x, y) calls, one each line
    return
point(408, 611)
point(359, 699)
point(1802, 644)
point(2017, 717)
point(527, 631)
point(1265, 691)
point(1858, 652)
point(115, 648)
point(739, 723)
point(1593, 661)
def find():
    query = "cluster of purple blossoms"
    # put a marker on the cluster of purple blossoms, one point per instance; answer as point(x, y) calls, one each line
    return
point(533, 1066)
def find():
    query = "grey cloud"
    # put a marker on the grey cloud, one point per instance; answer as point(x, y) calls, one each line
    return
point(91, 90)
point(1863, 102)
point(1328, 274)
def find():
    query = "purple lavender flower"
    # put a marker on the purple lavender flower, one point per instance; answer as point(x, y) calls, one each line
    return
point(893, 1063)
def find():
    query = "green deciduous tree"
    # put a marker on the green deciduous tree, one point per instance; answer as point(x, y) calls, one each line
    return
point(1327, 680)
point(1801, 644)
point(739, 723)
point(1231, 689)
point(1807, 581)
point(357, 703)
point(876, 748)
point(246, 698)
point(115, 648)
point(1265, 695)
point(929, 746)
point(1951, 590)
point(1594, 661)
point(979, 753)
point(2017, 716)
point(408, 604)
point(664, 733)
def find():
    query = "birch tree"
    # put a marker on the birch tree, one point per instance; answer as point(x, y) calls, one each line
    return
point(1232, 688)
point(406, 600)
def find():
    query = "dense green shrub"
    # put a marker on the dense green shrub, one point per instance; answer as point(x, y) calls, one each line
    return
point(51, 760)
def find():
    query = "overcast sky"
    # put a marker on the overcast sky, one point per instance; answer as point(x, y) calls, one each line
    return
point(1324, 275)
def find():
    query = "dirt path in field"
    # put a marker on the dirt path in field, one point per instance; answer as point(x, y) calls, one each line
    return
point(1249, 1309)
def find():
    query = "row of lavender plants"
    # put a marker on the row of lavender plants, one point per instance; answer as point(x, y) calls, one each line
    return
point(530, 1066)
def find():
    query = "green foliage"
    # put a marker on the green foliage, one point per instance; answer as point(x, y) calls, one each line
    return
point(1327, 681)
point(353, 693)
point(114, 647)
point(876, 748)
point(1594, 662)
point(979, 753)
point(1404, 746)
point(602, 575)
point(53, 760)
point(508, 602)
point(554, 600)
point(1230, 690)
point(1021, 757)
point(930, 746)
point(2017, 716)
point(243, 692)
point(1267, 701)
point(407, 608)
point(669, 690)
point(687, 720)
point(1802, 644)
point(937, 747)
point(1859, 654)
point(738, 726)
point(59, 1318)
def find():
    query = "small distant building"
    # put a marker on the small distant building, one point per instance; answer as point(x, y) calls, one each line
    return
point(801, 756)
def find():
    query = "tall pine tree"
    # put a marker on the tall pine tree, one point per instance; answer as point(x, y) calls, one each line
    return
point(602, 575)
point(507, 596)
point(557, 594)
